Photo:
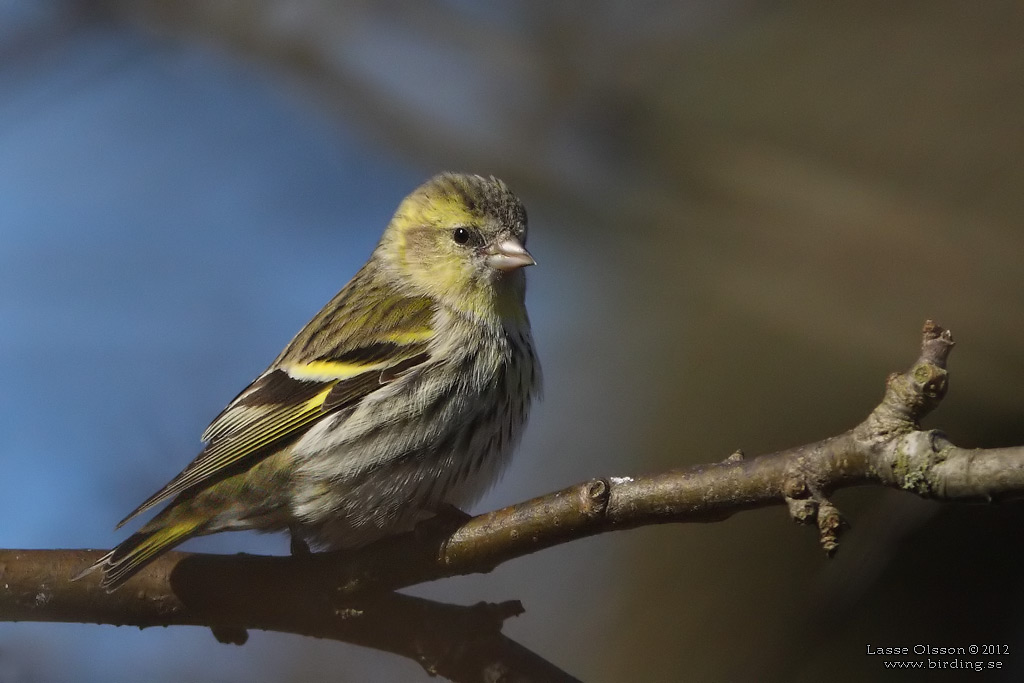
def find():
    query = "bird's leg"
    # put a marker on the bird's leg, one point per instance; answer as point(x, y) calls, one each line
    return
point(298, 545)
point(445, 520)
point(446, 512)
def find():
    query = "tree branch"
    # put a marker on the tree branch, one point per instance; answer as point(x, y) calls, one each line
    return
point(457, 642)
point(318, 594)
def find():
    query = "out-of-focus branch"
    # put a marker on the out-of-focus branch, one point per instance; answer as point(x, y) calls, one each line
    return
point(322, 594)
point(312, 43)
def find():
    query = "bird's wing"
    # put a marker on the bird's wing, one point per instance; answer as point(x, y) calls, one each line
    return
point(291, 396)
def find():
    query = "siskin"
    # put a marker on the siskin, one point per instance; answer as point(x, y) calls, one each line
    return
point(406, 394)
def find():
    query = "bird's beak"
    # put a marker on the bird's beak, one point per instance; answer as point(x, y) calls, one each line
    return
point(508, 255)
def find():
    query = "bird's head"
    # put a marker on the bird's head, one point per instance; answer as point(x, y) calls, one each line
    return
point(461, 239)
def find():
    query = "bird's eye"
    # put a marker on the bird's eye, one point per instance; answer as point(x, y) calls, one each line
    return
point(460, 235)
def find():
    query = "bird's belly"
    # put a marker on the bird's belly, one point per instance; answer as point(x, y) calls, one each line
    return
point(383, 468)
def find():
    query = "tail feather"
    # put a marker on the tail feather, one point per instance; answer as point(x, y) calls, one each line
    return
point(138, 550)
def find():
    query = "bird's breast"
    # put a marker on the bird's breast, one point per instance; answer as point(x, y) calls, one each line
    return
point(440, 434)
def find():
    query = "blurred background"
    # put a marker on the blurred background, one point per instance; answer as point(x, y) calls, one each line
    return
point(743, 213)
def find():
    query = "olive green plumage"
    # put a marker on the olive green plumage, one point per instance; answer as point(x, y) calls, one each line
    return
point(406, 392)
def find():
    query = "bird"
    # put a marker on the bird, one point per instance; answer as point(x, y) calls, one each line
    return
point(405, 396)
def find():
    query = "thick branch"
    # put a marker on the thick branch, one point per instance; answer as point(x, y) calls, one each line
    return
point(888, 448)
point(456, 642)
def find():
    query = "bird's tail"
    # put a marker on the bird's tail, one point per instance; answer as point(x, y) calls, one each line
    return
point(141, 548)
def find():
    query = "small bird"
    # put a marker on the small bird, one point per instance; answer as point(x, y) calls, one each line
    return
point(404, 396)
